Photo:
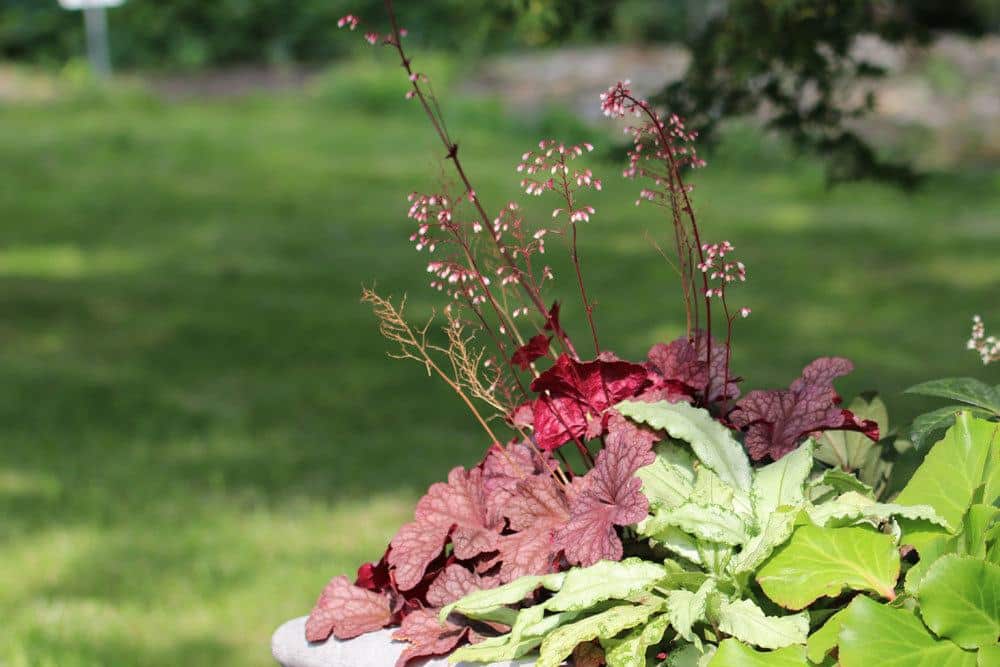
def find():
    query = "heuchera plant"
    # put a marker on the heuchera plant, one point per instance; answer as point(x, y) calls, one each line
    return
point(696, 525)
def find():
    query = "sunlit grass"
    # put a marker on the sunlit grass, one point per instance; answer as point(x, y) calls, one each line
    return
point(199, 423)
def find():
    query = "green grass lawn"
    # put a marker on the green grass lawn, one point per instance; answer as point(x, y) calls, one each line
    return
point(198, 423)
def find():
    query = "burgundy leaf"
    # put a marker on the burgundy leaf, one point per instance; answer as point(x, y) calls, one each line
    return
point(346, 611)
point(776, 421)
point(427, 636)
point(535, 348)
point(684, 361)
point(609, 495)
point(574, 394)
point(552, 320)
point(456, 508)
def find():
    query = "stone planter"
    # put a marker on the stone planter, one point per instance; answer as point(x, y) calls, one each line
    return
point(376, 649)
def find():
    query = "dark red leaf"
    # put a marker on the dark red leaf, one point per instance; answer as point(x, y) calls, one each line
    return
point(609, 495)
point(346, 611)
point(575, 394)
point(776, 421)
point(457, 508)
point(588, 654)
point(684, 361)
point(535, 348)
point(552, 321)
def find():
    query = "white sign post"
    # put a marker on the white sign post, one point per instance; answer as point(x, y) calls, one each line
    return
point(96, 21)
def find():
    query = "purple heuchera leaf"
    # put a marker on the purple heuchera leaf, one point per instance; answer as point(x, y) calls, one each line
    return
point(609, 495)
point(454, 583)
point(683, 362)
point(521, 492)
point(458, 509)
point(427, 636)
point(776, 421)
point(534, 512)
point(346, 611)
point(574, 396)
point(422, 629)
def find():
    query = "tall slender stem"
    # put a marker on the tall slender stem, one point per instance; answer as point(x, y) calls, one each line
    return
point(452, 154)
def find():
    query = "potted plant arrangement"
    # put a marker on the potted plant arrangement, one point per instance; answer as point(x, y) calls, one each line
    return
point(653, 512)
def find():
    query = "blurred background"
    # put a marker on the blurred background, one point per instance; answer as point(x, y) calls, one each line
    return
point(199, 424)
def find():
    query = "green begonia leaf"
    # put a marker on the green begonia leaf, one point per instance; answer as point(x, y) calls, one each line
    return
point(960, 599)
point(825, 639)
point(952, 471)
point(733, 653)
point(748, 623)
point(824, 561)
point(989, 656)
point(934, 422)
point(875, 634)
point(977, 525)
point(965, 390)
point(712, 443)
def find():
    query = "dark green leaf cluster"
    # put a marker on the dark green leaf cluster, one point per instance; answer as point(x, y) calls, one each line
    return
point(794, 58)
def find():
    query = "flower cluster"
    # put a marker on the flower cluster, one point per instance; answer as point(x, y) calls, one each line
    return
point(988, 347)
point(721, 272)
point(551, 160)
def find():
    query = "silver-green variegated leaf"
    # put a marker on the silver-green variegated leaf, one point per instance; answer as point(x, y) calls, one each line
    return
point(559, 643)
point(851, 508)
point(714, 523)
point(709, 489)
point(774, 532)
point(833, 482)
point(674, 540)
point(782, 483)
point(495, 649)
point(685, 609)
point(630, 651)
point(606, 580)
point(748, 622)
point(669, 480)
point(480, 603)
point(712, 443)
point(690, 655)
